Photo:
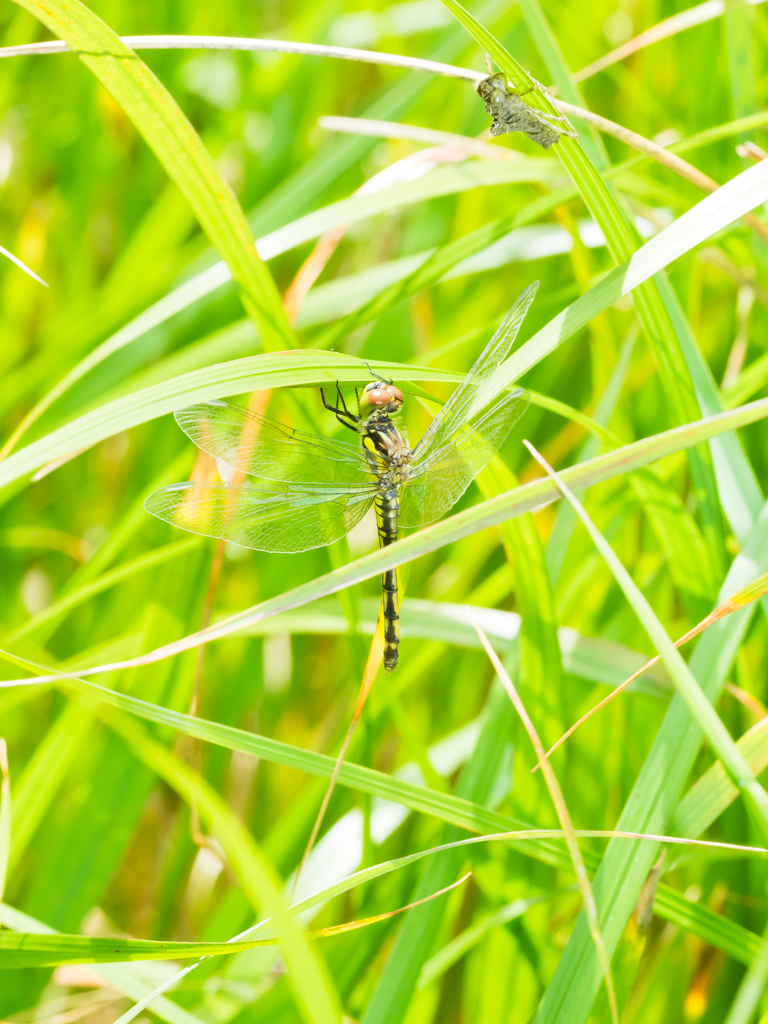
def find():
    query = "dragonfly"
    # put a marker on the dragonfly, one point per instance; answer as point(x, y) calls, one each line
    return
point(306, 491)
point(511, 113)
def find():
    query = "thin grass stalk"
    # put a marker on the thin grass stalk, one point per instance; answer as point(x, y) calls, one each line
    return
point(525, 498)
point(752, 592)
point(660, 155)
point(22, 266)
point(254, 872)
point(751, 989)
point(561, 808)
point(705, 715)
point(5, 817)
point(698, 15)
point(194, 42)
point(167, 131)
point(375, 656)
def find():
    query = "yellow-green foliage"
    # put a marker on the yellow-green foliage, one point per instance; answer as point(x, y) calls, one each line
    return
point(167, 805)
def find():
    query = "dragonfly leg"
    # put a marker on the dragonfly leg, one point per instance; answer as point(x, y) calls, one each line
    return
point(377, 376)
point(340, 410)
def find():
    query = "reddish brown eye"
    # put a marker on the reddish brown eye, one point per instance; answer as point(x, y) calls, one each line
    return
point(396, 393)
point(378, 396)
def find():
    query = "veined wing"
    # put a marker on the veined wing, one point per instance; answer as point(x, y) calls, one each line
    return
point(469, 393)
point(268, 517)
point(438, 482)
point(263, 447)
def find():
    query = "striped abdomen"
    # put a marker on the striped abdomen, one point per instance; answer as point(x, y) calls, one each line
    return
point(387, 512)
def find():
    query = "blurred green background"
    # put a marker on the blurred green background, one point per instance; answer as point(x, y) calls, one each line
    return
point(100, 845)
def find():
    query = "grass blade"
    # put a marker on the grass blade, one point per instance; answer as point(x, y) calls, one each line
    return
point(255, 874)
point(488, 513)
point(751, 592)
point(456, 810)
point(564, 818)
point(178, 147)
point(5, 816)
point(174, 141)
point(698, 704)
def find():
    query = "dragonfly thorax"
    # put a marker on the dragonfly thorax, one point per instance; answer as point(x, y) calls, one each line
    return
point(389, 452)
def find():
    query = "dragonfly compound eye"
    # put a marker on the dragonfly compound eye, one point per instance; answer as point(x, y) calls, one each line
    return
point(379, 395)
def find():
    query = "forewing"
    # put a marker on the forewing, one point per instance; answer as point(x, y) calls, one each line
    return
point(263, 447)
point(267, 517)
point(469, 393)
point(438, 482)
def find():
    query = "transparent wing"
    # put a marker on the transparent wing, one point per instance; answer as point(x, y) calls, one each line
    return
point(437, 484)
point(263, 447)
point(268, 517)
point(469, 393)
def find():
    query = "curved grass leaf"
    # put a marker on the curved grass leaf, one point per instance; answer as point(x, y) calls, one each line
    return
point(654, 797)
point(311, 986)
point(727, 935)
point(297, 368)
point(156, 115)
point(121, 977)
point(440, 182)
point(21, 949)
point(741, 194)
point(488, 513)
point(110, 579)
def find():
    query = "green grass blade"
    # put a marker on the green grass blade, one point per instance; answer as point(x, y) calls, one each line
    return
point(738, 490)
point(686, 553)
point(19, 949)
point(311, 987)
point(5, 816)
point(45, 773)
point(751, 989)
point(488, 513)
point(58, 609)
point(713, 791)
point(728, 935)
point(178, 147)
point(698, 704)
point(623, 872)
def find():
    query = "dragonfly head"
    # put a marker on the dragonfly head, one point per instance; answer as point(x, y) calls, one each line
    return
point(380, 396)
point(493, 89)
